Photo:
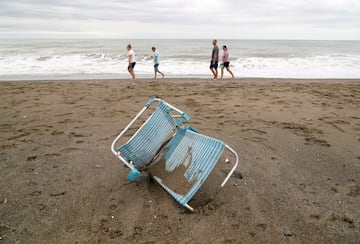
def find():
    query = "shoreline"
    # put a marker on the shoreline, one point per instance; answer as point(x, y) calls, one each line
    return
point(196, 79)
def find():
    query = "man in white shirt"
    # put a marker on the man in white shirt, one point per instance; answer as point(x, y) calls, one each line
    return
point(131, 61)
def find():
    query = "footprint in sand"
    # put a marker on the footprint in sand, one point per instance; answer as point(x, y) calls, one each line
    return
point(315, 216)
point(31, 158)
point(353, 190)
point(316, 141)
point(71, 149)
point(261, 226)
point(256, 139)
point(55, 133)
point(42, 206)
point(35, 193)
point(115, 204)
point(8, 146)
point(57, 193)
point(53, 155)
point(190, 102)
point(77, 135)
point(29, 170)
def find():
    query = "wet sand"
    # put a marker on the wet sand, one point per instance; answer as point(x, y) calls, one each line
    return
point(298, 175)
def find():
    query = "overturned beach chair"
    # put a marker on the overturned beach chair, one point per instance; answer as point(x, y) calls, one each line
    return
point(177, 157)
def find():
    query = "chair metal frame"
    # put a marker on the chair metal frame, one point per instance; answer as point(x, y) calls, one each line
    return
point(181, 115)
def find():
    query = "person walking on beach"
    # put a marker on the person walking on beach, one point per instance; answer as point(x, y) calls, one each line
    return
point(214, 59)
point(225, 62)
point(156, 58)
point(131, 61)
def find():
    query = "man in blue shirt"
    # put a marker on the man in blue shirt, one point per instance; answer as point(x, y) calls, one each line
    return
point(156, 57)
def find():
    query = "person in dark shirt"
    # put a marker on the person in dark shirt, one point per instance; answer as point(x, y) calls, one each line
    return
point(214, 59)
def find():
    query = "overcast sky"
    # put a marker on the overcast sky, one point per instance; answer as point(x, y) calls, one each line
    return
point(223, 19)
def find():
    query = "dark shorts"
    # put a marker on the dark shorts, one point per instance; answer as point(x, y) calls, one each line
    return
point(156, 67)
point(214, 65)
point(226, 64)
point(131, 66)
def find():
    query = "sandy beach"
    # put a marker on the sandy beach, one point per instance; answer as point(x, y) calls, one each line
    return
point(298, 179)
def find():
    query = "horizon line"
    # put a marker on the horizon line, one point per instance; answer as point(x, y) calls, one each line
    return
point(137, 38)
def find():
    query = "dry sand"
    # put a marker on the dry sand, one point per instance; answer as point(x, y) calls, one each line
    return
point(299, 171)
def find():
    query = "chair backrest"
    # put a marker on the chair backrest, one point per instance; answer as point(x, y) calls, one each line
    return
point(151, 136)
point(195, 155)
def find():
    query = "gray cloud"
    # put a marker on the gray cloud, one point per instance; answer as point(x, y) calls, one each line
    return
point(181, 18)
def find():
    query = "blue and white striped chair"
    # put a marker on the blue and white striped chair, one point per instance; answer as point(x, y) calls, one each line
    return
point(162, 142)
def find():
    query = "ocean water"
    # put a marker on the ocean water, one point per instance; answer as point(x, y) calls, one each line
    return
point(84, 59)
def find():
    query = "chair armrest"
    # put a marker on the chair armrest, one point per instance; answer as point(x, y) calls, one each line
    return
point(233, 168)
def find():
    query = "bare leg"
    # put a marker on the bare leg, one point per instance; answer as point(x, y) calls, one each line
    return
point(132, 73)
point(215, 73)
point(161, 73)
point(232, 75)
point(222, 72)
